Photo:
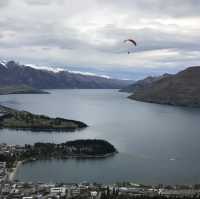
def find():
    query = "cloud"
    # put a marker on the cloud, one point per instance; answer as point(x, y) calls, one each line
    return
point(90, 34)
point(43, 2)
point(172, 8)
point(89, 74)
point(38, 2)
point(48, 68)
point(4, 3)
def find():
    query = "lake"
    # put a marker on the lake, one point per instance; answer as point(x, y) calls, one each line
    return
point(156, 143)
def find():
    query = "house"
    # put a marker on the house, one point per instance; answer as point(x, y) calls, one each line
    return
point(94, 194)
point(58, 190)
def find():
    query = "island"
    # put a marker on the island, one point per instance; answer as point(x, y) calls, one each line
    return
point(20, 89)
point(23, 120)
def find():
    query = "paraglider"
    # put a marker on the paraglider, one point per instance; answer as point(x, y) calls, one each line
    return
point(131, 41)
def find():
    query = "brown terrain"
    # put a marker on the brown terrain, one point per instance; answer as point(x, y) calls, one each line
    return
point(182, 89)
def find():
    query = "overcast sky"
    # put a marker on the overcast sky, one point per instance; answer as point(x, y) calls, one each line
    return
point(87, 35)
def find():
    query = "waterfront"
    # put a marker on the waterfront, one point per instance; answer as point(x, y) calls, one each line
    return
point(12, 173)
point(156, 143)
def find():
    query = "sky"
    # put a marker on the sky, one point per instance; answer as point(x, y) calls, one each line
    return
point(88, 35)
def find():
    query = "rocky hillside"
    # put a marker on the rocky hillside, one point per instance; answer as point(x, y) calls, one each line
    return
point(181, 89)
point(12, 73)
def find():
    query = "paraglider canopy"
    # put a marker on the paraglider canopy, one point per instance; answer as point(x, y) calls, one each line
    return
point(131, 40)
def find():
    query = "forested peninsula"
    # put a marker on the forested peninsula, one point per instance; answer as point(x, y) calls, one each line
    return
point(23, 120)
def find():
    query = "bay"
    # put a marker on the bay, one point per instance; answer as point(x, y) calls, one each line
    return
point(156, 143)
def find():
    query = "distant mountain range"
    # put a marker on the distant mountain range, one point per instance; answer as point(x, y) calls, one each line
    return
point(144, 83)
point(12, 73)
point(181, 89)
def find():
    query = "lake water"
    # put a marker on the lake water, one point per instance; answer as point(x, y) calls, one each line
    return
point(156, 143)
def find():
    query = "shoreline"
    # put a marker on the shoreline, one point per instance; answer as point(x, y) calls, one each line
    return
point(71, 157)
point(82, 156)
point(11, 174)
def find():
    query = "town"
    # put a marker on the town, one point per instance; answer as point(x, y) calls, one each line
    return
point(29, 190)
point(11, 188)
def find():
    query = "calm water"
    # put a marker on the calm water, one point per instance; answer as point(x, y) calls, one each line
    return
point(157, 143)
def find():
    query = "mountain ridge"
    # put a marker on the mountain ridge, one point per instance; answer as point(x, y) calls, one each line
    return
point(181, 89)
point(143, 83)
point(12, 73)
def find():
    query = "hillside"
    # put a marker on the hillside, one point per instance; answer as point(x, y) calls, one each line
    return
point(141, 84)
point(181, 89)
point(12, 73)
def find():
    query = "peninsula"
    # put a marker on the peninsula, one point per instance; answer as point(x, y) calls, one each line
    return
point(20, 89)
point(90, 148)
point(23, 120)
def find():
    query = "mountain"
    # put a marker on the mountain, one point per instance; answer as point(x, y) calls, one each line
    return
point(181, 89)
point(12, 73)
point(140, 84)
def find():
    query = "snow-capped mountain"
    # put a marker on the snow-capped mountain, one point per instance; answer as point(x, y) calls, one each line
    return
point(12, 73)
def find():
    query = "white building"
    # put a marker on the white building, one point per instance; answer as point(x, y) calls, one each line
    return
point(58, 190)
